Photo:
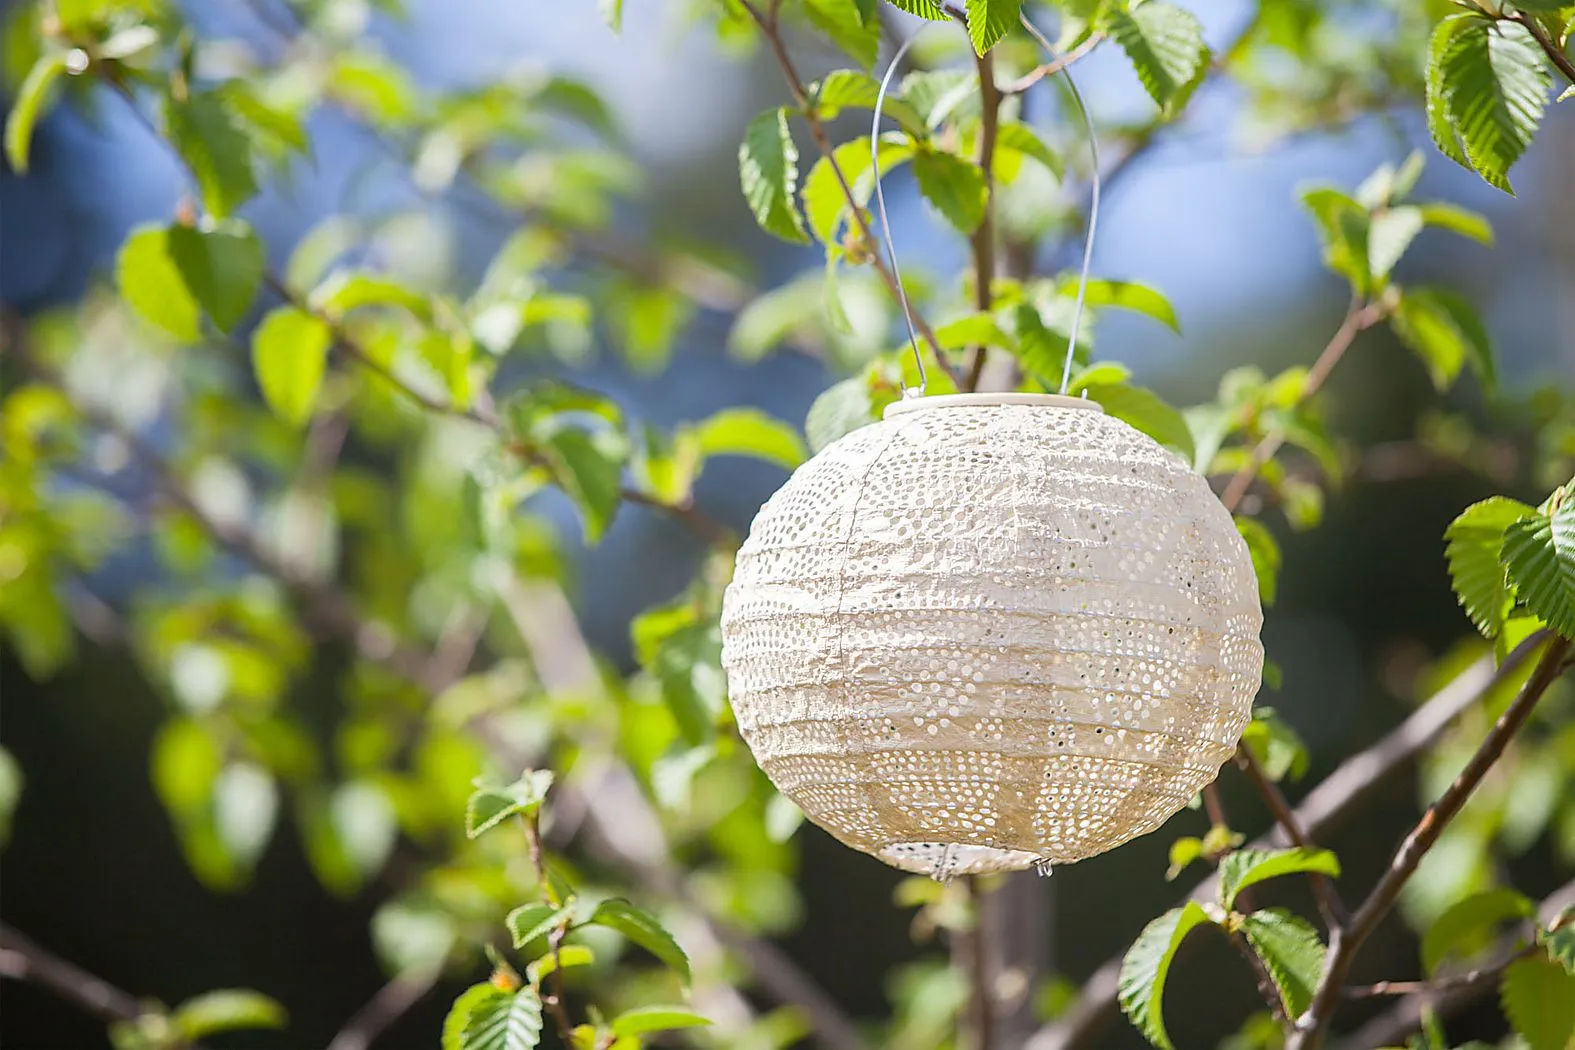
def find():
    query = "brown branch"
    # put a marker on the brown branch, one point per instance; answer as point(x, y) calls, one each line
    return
point(1343, 791)
point(1312, 1025)
point(555, 1002)
point(1051, 68)
point(23, 960)
point(1330, 906)
point(983, 240)
point(1448, 995)
point(1361, 316)
point(976, 949)
point(392, 1001)
point(1555, 54)
point(771, 30)
point(1261, 975)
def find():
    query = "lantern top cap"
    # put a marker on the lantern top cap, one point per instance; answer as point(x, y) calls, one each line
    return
point(919, 404)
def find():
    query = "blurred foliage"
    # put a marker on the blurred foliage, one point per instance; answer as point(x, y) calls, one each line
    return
point(343, 468)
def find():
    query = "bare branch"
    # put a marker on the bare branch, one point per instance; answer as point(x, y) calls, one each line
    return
point(1312, 1025)
point(1550, 46)
point(391, 1002)
point(1449, 995)
point(771, 30)
point(982, 242)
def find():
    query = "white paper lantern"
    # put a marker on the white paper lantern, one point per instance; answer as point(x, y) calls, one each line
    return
point(990, 632)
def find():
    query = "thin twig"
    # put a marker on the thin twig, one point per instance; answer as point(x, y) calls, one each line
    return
point(1051, 68)
point(555, 1002)
point(1330, 905)
point(1351, 784)
point(1312, 1025)
point(21, 959)
point(1261, 975)
point(1450, 994)
point(982, 242)
point(392, 1001)
point(1361, 316)
point(771, 30)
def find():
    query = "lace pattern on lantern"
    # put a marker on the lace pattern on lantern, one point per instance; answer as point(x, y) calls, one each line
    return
point(1028, 634)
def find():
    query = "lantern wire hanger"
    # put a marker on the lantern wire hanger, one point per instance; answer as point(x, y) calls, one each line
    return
point(885, 223)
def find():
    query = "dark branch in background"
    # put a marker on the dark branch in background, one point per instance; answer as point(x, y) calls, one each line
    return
point(1330, 906)
point(1450, 994)
point(972, 952)
point(1351, 784)
point(23, 960)
point(391, 1002)
point(772, 31)
point(983, 240)
point(1312, 1025)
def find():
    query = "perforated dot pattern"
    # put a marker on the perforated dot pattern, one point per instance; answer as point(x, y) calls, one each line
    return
point(976, 638)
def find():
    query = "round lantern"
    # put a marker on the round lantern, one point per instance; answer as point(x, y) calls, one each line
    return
point(992, 632)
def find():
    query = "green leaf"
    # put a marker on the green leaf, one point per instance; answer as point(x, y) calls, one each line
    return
point(955, 186)
point(1145, 410)
point(1182, 853)
point(1540, 555)
point(589, 468)
point(923, 8)
point(750, 432)
point(530, 921)
point(1539, 999)
point(1495, 86)
point(1265, 553)
point(152, 284)
point(1342, 229)
point(842, 22)
point(1127, 295)
point(656, 1019)
point(10, 792)
point(1141, 987)
point(1560, 944)
point(1440, 125)
point(1389, 235)
point(290, 357)
point(226, 1010)
point(681, 647)
point(1012, 137)
point(344, 291)
point(1459, 220)
point(768, 171)
point(1291, 950)
point(215, 147)
point(486, 1017)
point(1470, 925)
point(1443, 329)
point(990, 20)
point(491, 804)
point(221, 267)
point(846, 87)
point(840, 409)
point(1249, 867)
point(568, 956)
point(1165, 45)
point(825, 205)
point(1278, 748)
point(643, 929)
point(1475, 542)
point(31, 102)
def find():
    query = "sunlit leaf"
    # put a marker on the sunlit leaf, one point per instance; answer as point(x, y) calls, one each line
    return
point(31, 102)
point(768, 170)
point(290, 356)
point(643, 929)
point(221, 267)
point(1165, 45)
point(1141, 987)
point(1248, 867)
point(1290, 948)
point(1475, 542)
point(1470, 925)
point(1539, 999)
point(1539, 553)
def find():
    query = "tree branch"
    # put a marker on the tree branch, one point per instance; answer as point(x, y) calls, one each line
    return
point(1343, 791)
point(983, 240)
point(1361, 316)
point(977, 965)
point(1330, 906)
point(23, 960)
point(771, 30)
point(1312, 1025)
point(1555, 54)
point(1448, 995)
point(391, 1002)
